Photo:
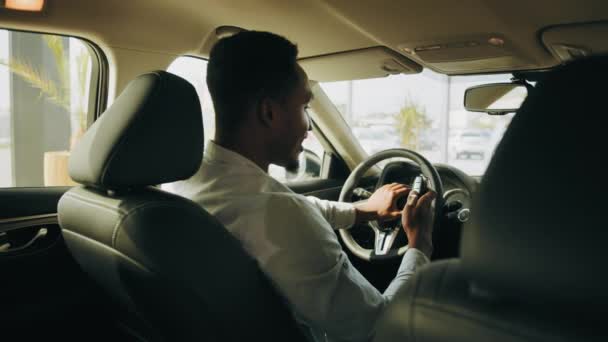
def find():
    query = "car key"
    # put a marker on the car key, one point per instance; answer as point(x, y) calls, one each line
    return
point(420, 185)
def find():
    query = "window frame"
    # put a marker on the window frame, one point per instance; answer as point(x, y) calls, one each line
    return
point(99, 73)
point(98, 87)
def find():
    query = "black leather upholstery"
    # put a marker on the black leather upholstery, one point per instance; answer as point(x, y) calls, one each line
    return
point(533, 256)
point(175, 270)
point(441, 304)
point(538, 230)
point(152, 134)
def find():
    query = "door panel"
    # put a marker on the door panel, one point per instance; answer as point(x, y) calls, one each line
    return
point(28, 235)
point(44, 292)
point(22, 202)
point(328, 189)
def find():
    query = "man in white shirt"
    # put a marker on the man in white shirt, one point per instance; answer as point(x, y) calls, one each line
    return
point(260, 96)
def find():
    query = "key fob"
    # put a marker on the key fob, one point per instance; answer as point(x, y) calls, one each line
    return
point(420, 185)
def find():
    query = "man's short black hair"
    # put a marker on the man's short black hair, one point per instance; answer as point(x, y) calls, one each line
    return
point(247, 67)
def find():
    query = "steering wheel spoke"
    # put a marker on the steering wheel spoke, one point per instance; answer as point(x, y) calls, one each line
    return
point(384, 239)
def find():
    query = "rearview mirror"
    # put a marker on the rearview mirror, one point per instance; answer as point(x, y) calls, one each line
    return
point(495, 99)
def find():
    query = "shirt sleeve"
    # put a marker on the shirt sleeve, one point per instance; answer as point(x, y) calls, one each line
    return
point(312, 272)
point(340, 215)
point(412, 260)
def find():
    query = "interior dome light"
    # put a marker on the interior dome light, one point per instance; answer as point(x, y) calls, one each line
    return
point(496, 41)
point(24, 5)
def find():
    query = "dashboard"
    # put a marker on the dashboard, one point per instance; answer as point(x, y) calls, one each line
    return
point(457, 187)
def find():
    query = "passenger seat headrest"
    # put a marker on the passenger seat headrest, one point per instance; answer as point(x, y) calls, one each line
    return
point(539, 230)
point(151, 134)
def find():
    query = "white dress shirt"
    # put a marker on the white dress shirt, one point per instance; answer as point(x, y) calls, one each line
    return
point(292, 239)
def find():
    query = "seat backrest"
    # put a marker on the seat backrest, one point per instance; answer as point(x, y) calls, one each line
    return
point(175, 271)
point(533, 257)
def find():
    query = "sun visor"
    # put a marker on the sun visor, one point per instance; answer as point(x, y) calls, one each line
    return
point(358, 64)
point(569, 42)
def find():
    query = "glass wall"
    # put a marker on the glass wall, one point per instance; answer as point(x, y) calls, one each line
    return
point(45, 100)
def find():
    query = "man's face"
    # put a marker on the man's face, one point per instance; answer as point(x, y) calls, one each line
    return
point(293, 124)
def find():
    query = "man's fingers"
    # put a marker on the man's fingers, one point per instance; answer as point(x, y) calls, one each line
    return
point(408, 210)
point(384, 187)
point(426, 199)
point(410, 204)
point(394, 186)
point(399, 192)
point(401, 186)
point(395, 214)
point(413, 197)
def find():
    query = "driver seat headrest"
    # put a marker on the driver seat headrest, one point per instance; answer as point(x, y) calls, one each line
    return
point(538, 231)
point(151, 134)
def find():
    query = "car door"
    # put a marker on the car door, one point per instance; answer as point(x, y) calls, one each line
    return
point(50, 89)
point(44, 291)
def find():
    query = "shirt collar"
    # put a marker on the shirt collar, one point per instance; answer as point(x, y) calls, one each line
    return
point(216, 153)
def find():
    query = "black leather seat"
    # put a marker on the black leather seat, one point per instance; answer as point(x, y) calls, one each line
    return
point(534, 257)
point(176, 271)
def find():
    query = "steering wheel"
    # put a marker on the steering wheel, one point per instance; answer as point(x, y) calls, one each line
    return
point(385, 235)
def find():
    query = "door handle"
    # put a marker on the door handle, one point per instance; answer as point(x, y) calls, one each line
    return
point(6, 248)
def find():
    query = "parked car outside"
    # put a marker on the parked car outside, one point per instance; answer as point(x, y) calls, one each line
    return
point(470, 144)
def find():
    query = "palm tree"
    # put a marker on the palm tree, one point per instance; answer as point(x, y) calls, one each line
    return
point(58, 92)
point(411, 120)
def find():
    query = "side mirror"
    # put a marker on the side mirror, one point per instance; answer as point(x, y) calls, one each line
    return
point(495, 99)
point(310, 167)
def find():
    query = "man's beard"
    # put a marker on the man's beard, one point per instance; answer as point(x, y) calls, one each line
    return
point(293, 166)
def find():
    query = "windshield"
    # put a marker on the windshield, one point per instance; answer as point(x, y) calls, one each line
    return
point(423, 112)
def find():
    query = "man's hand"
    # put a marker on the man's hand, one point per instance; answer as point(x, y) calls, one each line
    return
point(417, 220)
point(381, 205)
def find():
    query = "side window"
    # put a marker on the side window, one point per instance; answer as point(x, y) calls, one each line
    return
point(194, 70)
point(48, 92)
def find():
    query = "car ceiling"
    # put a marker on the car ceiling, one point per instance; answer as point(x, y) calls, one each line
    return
point(322, 27)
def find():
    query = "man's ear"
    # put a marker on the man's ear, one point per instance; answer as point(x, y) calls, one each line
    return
point(266, 112)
